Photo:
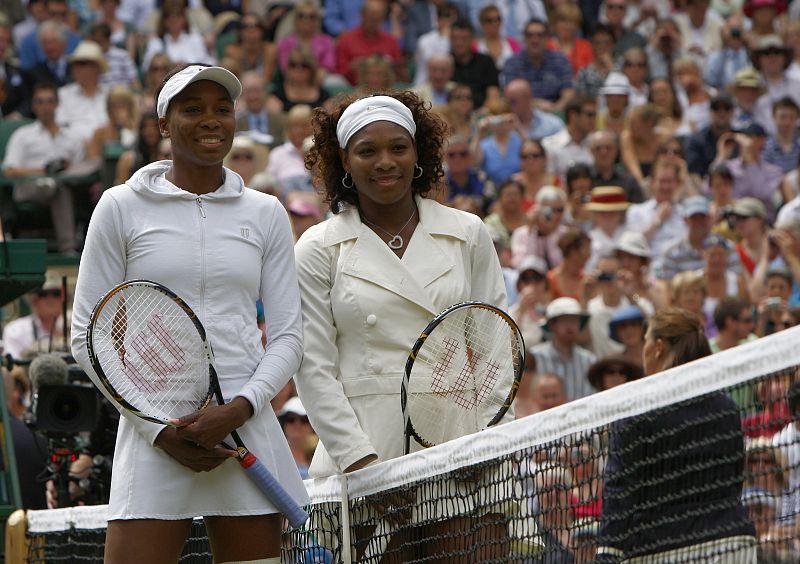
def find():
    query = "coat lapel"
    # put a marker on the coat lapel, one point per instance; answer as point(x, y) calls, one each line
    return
point(423, 262)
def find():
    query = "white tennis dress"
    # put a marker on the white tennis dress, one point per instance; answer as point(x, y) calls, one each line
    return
point(220, 252)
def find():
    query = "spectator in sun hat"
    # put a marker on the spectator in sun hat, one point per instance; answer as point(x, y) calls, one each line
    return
point(613, 371)
point(564, 320)
point(608, 297)
point(247, 158)
point(746, 88)
point(303, 212)
point(772, 57)
point(533, 296)
point(616, 92)
point(604, 146)
point(299, 434)
point(634, 255)
point(627, 327)
point(82, 104)
point(607, 210)
point(763, 16)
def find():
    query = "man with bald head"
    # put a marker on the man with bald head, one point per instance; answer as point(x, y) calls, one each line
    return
point(439, 82)
point(606, 172)
point(537, 123)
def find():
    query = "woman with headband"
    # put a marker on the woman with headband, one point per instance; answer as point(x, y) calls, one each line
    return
point(191, 225)
point(374, 275)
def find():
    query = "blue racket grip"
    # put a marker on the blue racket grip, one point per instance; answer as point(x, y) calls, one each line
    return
point(273, 490)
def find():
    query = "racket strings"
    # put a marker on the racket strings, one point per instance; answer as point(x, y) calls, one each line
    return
point(462, 374)
point(151, 353)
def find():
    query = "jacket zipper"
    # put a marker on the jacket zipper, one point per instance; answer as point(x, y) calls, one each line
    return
point(202, 260)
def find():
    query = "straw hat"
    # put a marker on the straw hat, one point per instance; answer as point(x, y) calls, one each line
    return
point(607, 199)
point(89, 51)
point(768, 42)
point(242, 144)
point(747, 77)
point(749, 207)
point(616, 83)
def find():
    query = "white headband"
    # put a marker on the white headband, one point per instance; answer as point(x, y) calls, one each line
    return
point(371, 109)
point(193, 73)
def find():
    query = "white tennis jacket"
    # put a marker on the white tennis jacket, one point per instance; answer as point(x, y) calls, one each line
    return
point(363, 309)
point(220, 252)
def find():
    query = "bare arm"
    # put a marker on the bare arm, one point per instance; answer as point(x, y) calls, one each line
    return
point(628, 156)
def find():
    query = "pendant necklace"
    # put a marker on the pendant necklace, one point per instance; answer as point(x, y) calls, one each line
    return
point(396, 242)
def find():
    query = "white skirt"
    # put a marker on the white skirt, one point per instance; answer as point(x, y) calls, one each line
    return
point(147, 483)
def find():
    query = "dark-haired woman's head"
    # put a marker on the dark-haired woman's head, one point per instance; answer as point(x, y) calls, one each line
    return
point(674, 336)
point(416, 159)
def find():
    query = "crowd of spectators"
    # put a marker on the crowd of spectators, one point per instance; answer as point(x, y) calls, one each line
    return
point(625, 155)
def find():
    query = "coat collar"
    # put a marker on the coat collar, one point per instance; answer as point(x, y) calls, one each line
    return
point(423, 262)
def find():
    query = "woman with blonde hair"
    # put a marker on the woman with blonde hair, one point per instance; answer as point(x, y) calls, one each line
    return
point(663, 96)
point(566, 21)
point(252, 51)
point(307, 33)
point(689, 293)
point(375, 74)
point(639, 141)
point(121, 127)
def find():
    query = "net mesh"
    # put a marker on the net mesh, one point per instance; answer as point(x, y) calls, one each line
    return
point(697, 464)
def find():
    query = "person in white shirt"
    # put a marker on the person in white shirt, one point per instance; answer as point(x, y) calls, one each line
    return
point(607, 209)
point(435, 41)
point(82, 104)
point(39, 151)
point(571, 145)
point(658, 218)
point(175, 38)
point(788, 440)
point(41, 331)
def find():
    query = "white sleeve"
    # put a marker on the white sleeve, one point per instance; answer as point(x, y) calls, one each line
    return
point(15, 151)
point(103, 266)
point(329, 409)
point(281, 297)
point(487, 275)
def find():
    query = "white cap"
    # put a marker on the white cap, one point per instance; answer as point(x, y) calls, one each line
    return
point(193, 73)
point(292, 405)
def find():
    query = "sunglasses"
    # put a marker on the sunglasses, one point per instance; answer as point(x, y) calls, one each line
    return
point(242, 157)
point(38, 100)
point(637, 64)
point(298, 65)
point(534, 34)
point(531, 278)
point(722, 108)
point(251, 25)
point(49, 293)
point(306, 16)
point(490, 20)
point(526, 156)
point(461, 154)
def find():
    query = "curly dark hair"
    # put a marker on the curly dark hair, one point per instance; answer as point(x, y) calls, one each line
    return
point(326, 164)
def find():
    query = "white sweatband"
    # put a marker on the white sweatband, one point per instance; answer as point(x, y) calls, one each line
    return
point(368, 110)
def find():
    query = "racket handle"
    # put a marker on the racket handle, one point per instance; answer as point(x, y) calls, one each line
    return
point(273, 490)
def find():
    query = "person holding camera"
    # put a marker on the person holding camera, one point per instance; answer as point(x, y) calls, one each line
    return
point(664, 48)
point(35, 155)
point(752, 175)
point(723, 63)
point(543, 230)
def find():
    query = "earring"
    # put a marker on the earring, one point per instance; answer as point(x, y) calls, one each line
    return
point(417, 171)
point(345, 184)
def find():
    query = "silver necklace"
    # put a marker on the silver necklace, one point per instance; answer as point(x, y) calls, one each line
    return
point(396, 241)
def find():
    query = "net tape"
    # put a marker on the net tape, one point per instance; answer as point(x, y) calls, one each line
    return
point(530, 490)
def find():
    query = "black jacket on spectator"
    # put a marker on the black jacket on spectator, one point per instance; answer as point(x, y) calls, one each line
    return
point(674, 478)
point(43, 73)
point(479, 74)
point(701, 150)
point(18, 91)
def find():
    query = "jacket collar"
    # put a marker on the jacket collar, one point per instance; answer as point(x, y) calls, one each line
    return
point(424, 260)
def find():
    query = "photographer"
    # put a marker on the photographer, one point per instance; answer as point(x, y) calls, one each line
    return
point(544, 228)
point(35, 156)
point(752, 175)
point(781, 256)
point(664, 48)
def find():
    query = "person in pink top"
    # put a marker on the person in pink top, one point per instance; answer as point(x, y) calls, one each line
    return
point(307, 33)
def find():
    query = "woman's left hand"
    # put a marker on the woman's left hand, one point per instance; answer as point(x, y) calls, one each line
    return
point(209, 427)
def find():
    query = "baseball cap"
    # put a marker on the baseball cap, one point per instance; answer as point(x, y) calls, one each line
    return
point(754, 129)
point(695, 205)
point(749, 207)
point(292, 405)
point(193, 73)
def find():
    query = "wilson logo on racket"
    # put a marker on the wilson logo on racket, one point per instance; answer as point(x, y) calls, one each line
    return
point(463, 390)
point(150, 343)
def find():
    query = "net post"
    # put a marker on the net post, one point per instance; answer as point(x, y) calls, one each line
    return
point(347, 546)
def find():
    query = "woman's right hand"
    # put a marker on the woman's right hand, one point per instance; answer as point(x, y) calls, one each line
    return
point(189, 454)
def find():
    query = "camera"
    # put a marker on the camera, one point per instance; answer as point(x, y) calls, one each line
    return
point(606, 276)
point(772, 303)
point(66, 409)
point(736, 32)
point(497, 120)
point(55, 166)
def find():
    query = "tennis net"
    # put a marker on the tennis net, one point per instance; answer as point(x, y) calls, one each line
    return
point(697, 464)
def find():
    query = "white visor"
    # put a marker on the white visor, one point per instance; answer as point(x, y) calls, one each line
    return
point(193, 73)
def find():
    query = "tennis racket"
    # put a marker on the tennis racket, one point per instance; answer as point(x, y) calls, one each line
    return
point(461, 377)
point(151, 354)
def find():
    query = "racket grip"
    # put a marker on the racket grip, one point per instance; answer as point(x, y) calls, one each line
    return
point(275, 492)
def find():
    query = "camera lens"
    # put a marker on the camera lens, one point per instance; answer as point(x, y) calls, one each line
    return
point(68, 407)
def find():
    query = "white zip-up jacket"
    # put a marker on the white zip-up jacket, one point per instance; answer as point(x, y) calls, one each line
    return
point(220, 252)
